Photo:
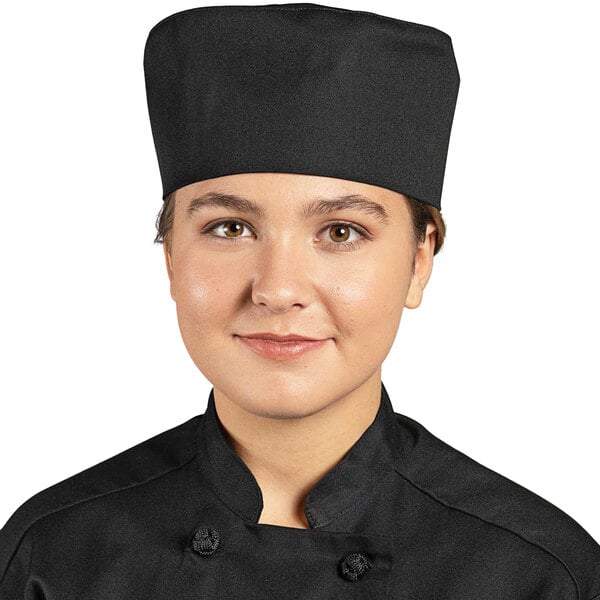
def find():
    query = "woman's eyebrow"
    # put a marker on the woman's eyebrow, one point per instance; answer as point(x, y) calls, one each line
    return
point(318, 206)
point(323, 206)
point(232, 201)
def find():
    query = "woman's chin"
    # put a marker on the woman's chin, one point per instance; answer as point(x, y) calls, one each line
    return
point(274, 399)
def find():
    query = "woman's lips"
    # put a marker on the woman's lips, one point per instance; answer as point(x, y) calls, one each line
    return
point(281, 350)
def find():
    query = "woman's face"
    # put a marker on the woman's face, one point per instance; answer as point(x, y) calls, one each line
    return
point(282, 253)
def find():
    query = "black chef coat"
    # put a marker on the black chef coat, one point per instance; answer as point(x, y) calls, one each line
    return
point(402, 516)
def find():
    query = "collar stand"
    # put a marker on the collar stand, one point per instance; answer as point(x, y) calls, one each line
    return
point(349, 484)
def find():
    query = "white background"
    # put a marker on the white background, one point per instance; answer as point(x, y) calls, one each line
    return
point(501, 359)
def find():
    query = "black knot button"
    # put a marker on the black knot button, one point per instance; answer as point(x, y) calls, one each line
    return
point(206, 541)
point(354, 566)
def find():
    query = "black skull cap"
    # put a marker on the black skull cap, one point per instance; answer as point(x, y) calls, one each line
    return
point(301, 88)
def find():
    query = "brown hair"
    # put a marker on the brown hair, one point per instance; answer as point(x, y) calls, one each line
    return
point(421, 214)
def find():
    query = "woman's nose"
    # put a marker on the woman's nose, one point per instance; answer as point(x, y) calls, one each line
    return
point(281, 279)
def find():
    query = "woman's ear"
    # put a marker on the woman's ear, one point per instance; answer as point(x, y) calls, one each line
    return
point(422, 266)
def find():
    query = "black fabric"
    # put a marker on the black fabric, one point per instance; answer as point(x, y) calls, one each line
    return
point(301, 88)
point(402, 516)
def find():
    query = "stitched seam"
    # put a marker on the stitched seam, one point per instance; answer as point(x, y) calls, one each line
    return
point(30, 556)
point(127, 487)
point(53, 512)
point(300, 8)
point(17, 545)
point(431, 495)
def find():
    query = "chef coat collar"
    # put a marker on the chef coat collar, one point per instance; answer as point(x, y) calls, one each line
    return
point(349, 484)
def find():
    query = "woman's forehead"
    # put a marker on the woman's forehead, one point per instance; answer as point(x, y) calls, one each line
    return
point(265, 189)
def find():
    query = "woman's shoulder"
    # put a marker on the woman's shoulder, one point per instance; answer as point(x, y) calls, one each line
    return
point(140, 464)
point(460, 483)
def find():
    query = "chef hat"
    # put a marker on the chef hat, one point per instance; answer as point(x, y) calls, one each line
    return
point(301, 88)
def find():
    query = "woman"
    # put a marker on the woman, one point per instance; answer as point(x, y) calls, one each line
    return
point(302, 151)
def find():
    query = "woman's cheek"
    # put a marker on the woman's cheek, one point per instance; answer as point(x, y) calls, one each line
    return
point(201, 296)
point(369, 301)
point(369, 285)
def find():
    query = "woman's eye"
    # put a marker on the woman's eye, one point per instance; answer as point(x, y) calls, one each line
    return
point(342, 236)
point(341, 233)
point(228, 229)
